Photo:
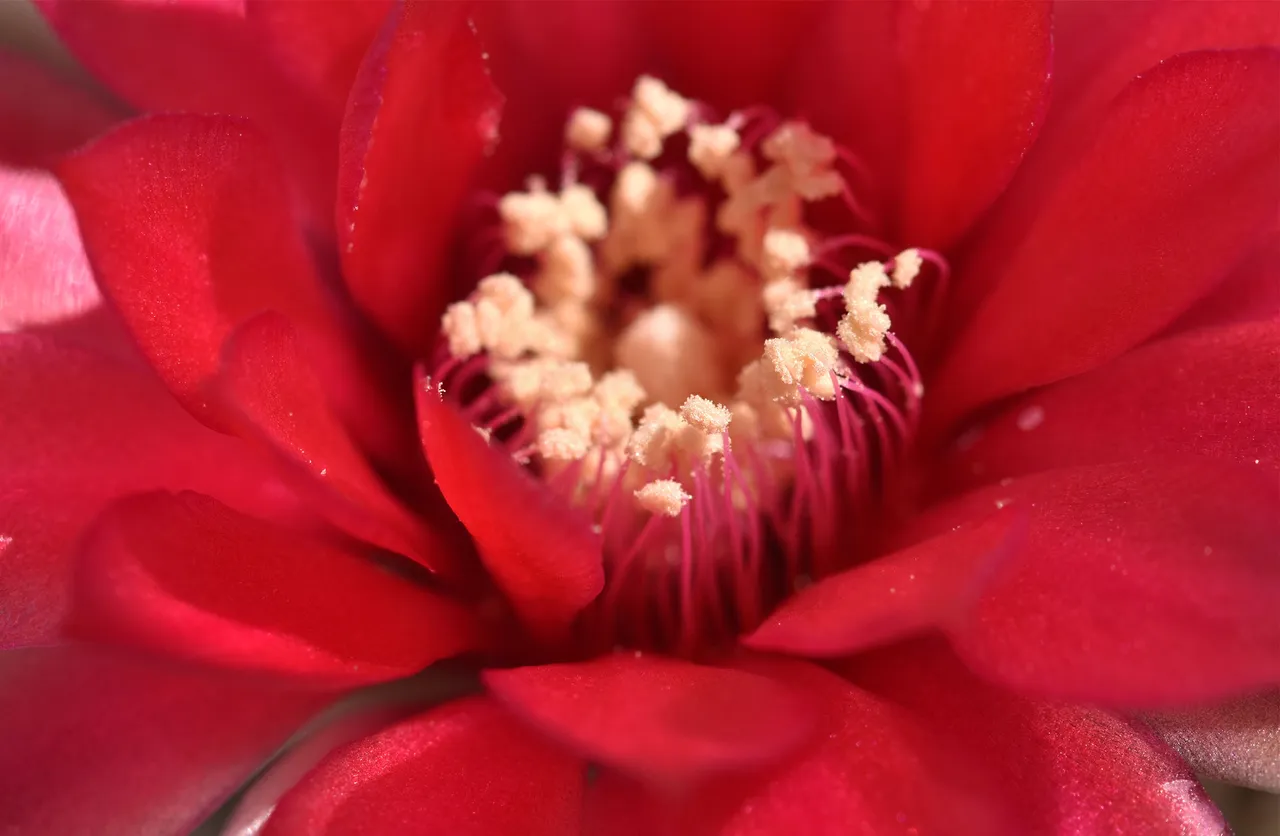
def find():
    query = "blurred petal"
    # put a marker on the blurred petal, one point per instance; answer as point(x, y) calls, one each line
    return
point(103, 743)
point(1173, 189)
point(464, 768)
point(1140, 585)
point(890, 597)
point(1237, 742)
point(1211, 392)
point(1062, 768)
point(46, 277)
point(81, 430)
point(185, 575)
point(1250, 294)
point(421, 118)
point(662, 719)
point(541, 553)
point(43, 115)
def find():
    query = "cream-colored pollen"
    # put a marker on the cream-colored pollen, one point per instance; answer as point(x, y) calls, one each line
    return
point(906, 266)
point(711, 147)
point(642, 344)
point(706, 415)
point(663, 496)
point(588, 130)
point(656, 113)
point(786, 252)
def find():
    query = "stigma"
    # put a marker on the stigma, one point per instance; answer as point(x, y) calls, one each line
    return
point(673, 340)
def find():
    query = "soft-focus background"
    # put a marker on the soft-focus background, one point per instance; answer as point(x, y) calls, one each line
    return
point(1250, 813)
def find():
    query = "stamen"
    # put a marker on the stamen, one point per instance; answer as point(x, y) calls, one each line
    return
point(683, 350)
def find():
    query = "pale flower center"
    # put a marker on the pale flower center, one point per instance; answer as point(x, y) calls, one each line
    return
point(665, 339)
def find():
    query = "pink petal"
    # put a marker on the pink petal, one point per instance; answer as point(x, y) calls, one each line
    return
point(185, 575)
point(658, 718)
point(1171, 190)
point(918, 92)
point(1140, 585)
point(421, 117)
point(46, 277)
point(463, 768)
point(871, 768)
point(891, 597)
point(1211, 392)
point(80, 430)
point(206, 57)
point(279, 400)
point(44, 115)
point(541, 553)
point(187, 227)
point(1237, 742)
point(103, 743)
point(1062, 769)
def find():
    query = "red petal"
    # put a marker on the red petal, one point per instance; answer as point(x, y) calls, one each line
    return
point(421, 116)
point(46, 277)
point(188, 230)
point(917, 91)
point(659, 718)
point(80, 430)
point(1063, 769)
point(1139, 586)
point(1250, 294)
point(188, 576)
point(463, 768)
point(319, 43)
point(1173, 188)
point(972, 110)
point(279, 400)
point(205, 57)
point(541, 553)
point(1211, 392)
point(43, 115)
point(1237, 742)
point(101, 743)
point(891, 597)
point(871, 769)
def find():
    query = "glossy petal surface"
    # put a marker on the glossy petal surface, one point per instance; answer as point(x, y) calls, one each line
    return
point(1237, 742)
point(184, 574)
point(663, 719)
point(465, 768)
point(541, 553)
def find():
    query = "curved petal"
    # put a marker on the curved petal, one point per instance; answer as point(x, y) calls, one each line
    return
point(1176, 186)
point(46, 277)
point(1250, 294)
point(891, 597)
point(918, 91)
point(464, 768)
point(43, 115)
point(422, 115)
point(1237, 742)
point(206, 57)
point(104, 743)
point(1061, 768)
point(1210, 392)
point(278, 399)
point(871, 768)
point(542, 554)
point(80, 430)
point(188, 576)
point(1141, 585)
point(186, 226)
point(658, 718)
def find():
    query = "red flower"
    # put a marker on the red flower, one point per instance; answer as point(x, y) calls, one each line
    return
point(877, 602)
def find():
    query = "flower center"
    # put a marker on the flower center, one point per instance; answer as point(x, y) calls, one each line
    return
point(672, 342)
